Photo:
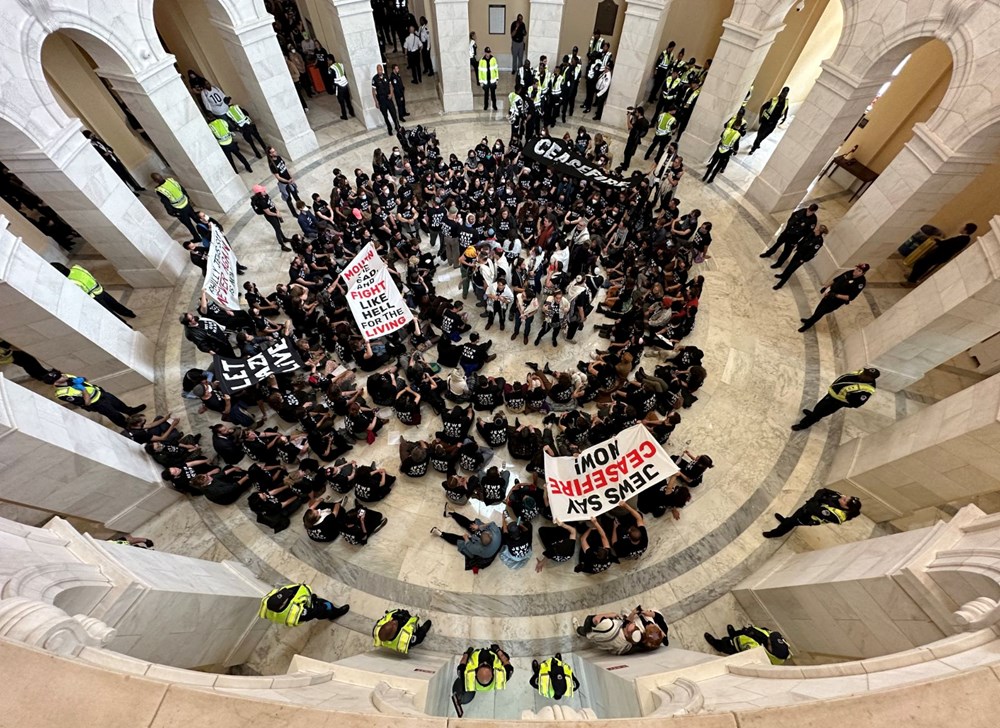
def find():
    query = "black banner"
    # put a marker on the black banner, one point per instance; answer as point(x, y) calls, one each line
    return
point(235, 375)
point(564, 159)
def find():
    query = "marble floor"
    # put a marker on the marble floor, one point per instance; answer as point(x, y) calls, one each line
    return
point(761, 373)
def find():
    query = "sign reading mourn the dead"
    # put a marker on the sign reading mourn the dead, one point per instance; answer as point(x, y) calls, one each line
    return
point(563, 158)
point(238, 374)
point(377, 305)
point(365, 262)
point(602, 476)
point(220, 272)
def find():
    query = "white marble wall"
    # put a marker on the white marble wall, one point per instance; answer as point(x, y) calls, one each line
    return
point(640, 43)
point(56, 460)
point(452, 19)
point(45, 314)
point(357, 25)
point(544, 27)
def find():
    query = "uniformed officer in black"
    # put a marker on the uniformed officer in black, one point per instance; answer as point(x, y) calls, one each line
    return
point(841, 291)
point(805, 250)
point(824, 506)
point(382, 94)
point(799, 223)
point(848, 390)
point(398, 91)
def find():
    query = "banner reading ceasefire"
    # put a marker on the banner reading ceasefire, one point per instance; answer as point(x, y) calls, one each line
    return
point(602, 476)
point(563, 158)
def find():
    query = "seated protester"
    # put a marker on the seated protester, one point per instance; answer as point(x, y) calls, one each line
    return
point(459, 489)
point(666, 497)
point(323, 520)
point(161, 429)
point(516, 539)
point(364, 422)
point(329, 445)
point(595, 550)
point(559, 542)
point(289, 450)
point(661, 429)
point(458, 386)
point(407, 407)
point(181, 476)
point(692, 468)
point(372, 484)
point(563, 393)
point(360, 524)
point(229, 409)
point(341, 475)
point(536, 396)
point(602, 374)
point(452, 322)
point(169, 454)
point(524, 500)
point(443, 456)
point(683, 358)
point(474, 354)
point(267, 306)
point(227, 442)
point(654, 628)
point(472, 457)
point(414, 457)
point(514, 397)
point(267, 477)
point(629, 538)
point(487, 395)
point(493, 431)
point(370, 356)
point(691, 381)
point(274, 504)
point(493, 486)
point(479, 544)
point(455, 424)
point(643, 399)
point(383, 387)
point(310, 480)
point(524, 442)
point(614, 633)
point(448, 352)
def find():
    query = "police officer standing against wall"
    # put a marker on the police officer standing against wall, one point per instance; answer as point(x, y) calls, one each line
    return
point(176, 202)
point(663, 63)
point(293, 604)
point(85, 281)
point(398, 630)
point(244, 124)
point(839, 292)
point(227, 142)
point(848, 390)
point(553, 678)
point(748, 638)
point(729, 144)
point(382, 94)
point(480, 671)
point(343, 91)
point(824, 506)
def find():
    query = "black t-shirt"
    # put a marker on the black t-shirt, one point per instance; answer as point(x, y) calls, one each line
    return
point(561, 551)
point(847, 284)
point(436, 216)
point(277, 166)
point(518, 541)
point(261, 203)
point(382, 88)
point(413, 468)
point(625, 549)
point(327, 529)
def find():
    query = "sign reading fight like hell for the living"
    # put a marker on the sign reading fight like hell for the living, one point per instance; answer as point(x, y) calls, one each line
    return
point(220, 272)
point(602, 476)
point(235, 375)
point(377, 305)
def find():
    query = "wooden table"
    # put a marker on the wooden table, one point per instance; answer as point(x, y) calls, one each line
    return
point(856, 169)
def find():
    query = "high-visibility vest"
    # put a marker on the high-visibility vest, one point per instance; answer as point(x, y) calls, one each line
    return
point(665, 124)
point(339, 75)
point(666, 59)
point(769, 109)
point(729, 139)
point(71, 391)
point(731, 124)
point(6, 355)
point(744, 643)
point(544, 81)
point(239, 117)
point(489, 70)
point(499, 674)
point(516, 105)
point(401, 642)
point(545, 678)
point(841, 394)
point(85, 281)
point(669, 85)
point(537, 95)
point(287, 605)
point(840, 514)
point(557, 87)
point(221, 131)
point(172, 190)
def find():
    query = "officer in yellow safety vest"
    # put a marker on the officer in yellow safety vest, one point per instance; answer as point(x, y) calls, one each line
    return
point(398, 630)
point(85, 281)
point(729, 144)
point(489, 75)
point(78, 392)
point(293, 604)
point(772, 113)
point(553, 678)
point(480, 671)
point(341, 88)
point(824, 506)
point(175, 202)
point(663, 132)
point(227, 142)
point(663, 63)
point(748, 638)
point(848, 390)
point(244, 124)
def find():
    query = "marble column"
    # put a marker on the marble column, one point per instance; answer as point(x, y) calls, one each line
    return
point(741, 52)
point(357, 25)
point(69, 175)
point(49, 317)
point(452, 17)
point(273, 103)
point(175, 122)
point(633, 64)
point(62, 462)
point(946, 452)
point(955, 308)
point(825, 118)
point(923, 177)
point(544, 26)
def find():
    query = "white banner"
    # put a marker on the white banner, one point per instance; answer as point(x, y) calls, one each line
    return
point(377, 305)
point(602, 476)
point(366, 261)
point(220, 273)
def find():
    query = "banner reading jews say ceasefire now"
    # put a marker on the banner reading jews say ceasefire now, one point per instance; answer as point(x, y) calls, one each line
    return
point(375, 301)
point(602, 476)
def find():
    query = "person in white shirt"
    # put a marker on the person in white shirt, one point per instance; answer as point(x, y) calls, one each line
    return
point(525, 308)
point(413, 46)
point(499, 297)
point(555, 317)
point(473, 49)
point(512, 248)
point(214, 100)
point(425, 53)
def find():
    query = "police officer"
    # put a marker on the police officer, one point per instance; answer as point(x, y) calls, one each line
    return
point(573, 74)
point(516, 114)
point(227, 142)
point(175, 202)
point(672, 89)
point(748, 638)
point(666, 122)
point(663, 63)
point(398, 631)
point(78, 392)
point(798, 224)
point(848, 390)
point(85, 281)
point(293, 604)
point(839, 292)
point(805, 250)
point(109, 156)
point(729, 144)
point(244, 124)
point(772, 113)
point(489, 75)
point(480, 671)
point(398, 91)
point(382, 94)
point(824, 506)
point(343, 91)
point(10, 354)
point(553, 678)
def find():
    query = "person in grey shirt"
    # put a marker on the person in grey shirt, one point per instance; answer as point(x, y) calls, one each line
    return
point(480, 541)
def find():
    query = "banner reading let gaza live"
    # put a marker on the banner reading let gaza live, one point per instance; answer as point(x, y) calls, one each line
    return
point(602, 476)
point(235, 375)
point(564, 159)
point(220, 272)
